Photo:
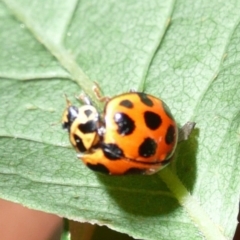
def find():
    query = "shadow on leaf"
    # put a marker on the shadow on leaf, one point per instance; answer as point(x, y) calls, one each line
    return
point(148, 195)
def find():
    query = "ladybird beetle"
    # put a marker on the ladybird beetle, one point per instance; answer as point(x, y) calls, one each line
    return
point(136, 134)
point(82, 124)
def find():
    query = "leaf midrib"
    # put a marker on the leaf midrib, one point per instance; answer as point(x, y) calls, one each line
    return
point(61, 54)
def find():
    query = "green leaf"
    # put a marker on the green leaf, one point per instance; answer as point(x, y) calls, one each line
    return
point(186, 52)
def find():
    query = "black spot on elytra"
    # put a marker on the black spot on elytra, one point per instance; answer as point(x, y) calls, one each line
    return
point(79, 143)
point(133, 171)
point(170, 135)
point(88, 127)
point(125, 124)
point(152, 120)
point(145, 99)
point(126, 103)
point(147, 148)
point(112, 151)
point(88, 112)
point(98, 168)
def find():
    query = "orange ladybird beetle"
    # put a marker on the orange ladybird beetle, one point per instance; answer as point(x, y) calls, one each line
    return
point(136, 134)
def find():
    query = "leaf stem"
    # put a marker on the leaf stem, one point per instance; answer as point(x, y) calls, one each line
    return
point(195, 211)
